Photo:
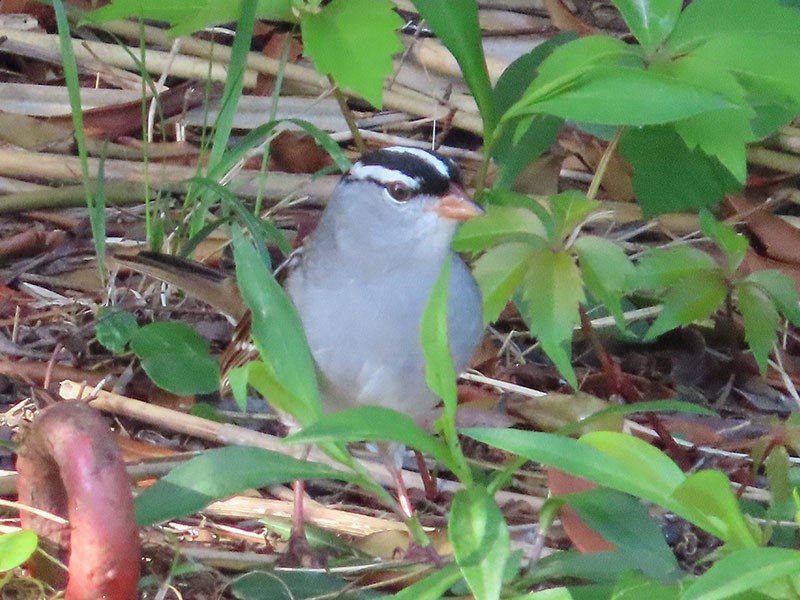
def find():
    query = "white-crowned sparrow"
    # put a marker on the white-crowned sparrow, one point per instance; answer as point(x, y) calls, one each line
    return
point(362, 279)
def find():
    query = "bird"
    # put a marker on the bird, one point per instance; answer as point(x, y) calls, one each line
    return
point(361, 280)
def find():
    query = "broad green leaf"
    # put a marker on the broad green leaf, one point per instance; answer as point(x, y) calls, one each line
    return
point(706, 499)
point(455, 23)
point(612, 460)
point(277, 331)
point(656, 474)
point(692, 180)
point(221, 473)
point(552, 291)
point(781, 289)
point(480, 540)
point(733, 244)
point(721, 134)
point(567, 65)
point(626, 523)
point(569, 209)
point(176, 358)
point(353, 41)
point(542, 130)
point(499, 273)
point(286, 584)
point(262, 378)
point(761, 321)
point(606, 271)
point(713, 19)
point(500, 224)
point(750, 569)
point(583, 592)
point(688, 301)
point(440, 373)
point(16, 547)
point(372, 423)
point(622, 95)
point(663, 267)
point(114, 329)
point(650, 21)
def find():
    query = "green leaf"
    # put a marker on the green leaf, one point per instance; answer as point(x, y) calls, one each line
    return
point(622, 95)
point(781, 289)
point(337, 36)
point(455, 23)
point(706, 499)
point(114, 329)
point(221, 473)
point(440, 373)
point(606, 271)
point(663, 267)
point(747, 570)
point(176, 358)
point(278, 334)
point(689, 300)
point(567, 65)
point(708, 20)
point(615, 460)
point(733, 244)
point(293, 585)
point(499, 273)
point(16, 547)
point(761, 321)
point(499, 224)
point(541, 131)
point(569, 210)
point(721, 134)
point(692, 180)
point(372, 423)
point(552, 291)
point(623, 521)
point(188, 17)
point(432, 587)
point(480, 540)
point(650, 21)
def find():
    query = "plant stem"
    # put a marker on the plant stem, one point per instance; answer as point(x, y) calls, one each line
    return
point(602, 166)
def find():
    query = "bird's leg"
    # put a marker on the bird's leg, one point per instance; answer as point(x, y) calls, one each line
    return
point(298, 551)
point(428, 481)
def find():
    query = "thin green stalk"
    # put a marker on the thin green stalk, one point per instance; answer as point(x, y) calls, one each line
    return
point(602, 166)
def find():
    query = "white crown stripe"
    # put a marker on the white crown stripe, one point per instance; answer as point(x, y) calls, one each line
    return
point(381, 175)
point(429, 158)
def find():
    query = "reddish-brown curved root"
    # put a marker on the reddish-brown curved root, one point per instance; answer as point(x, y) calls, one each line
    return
point(69, 464)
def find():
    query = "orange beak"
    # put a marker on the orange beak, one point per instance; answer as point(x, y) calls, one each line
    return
point(456, 205)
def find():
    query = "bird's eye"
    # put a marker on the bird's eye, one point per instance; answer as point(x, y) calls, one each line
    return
point(399, 191)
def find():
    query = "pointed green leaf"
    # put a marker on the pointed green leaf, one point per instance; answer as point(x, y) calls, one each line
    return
point(552, 291)
point(499, 273)
point(480, 539)
point(606, 271)
point(761, 321)
point(353, 41)
point(500, 224)
point(650, 21)
point(569, 209)
point(694, 179)
point(622, 95)
point(440, 373)
point(781, 289)
point(706, 499)
point(749, 570)
point(372, 424)
point(663, 267)
point(733, 244)
point(221, 473)
point(455, 23)
point(277, 332)
point(688, 301)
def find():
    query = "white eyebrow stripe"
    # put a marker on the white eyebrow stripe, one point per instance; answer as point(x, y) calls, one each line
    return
point(382, 175)
point(429, 158)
